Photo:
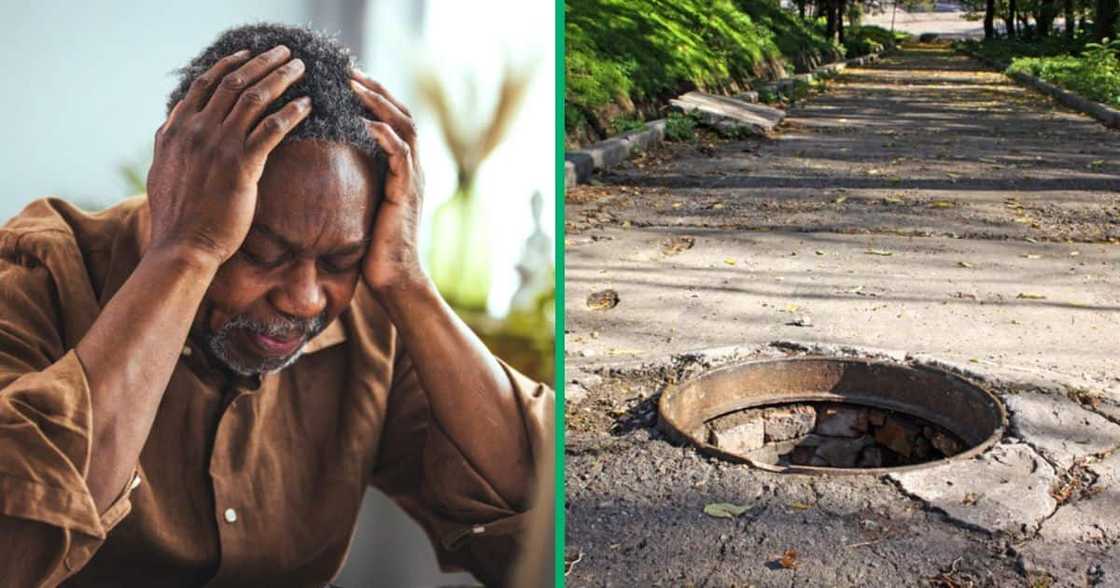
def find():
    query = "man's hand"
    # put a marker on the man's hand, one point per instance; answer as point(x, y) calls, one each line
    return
point(393, 260)
point(211, 151)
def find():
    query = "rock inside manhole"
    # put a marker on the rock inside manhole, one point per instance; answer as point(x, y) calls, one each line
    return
point(825, 415)
point(831, 435)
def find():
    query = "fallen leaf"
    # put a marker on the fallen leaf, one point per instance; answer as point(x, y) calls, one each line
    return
point(879, 252)
point(819, 252)
point(677, 245)
point(603, 300)
point(840, 200)
point(800, 506)
point(1030, 296)
point(965, 264)
point(942, 204)
point(724, 510)
point(1032, 256)
point(729, 261)
point(789, 559)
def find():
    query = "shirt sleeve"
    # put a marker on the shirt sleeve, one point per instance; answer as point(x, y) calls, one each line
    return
point(470, 525)
point(49, 524)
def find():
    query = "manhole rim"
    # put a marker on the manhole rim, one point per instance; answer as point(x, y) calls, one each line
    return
point(674, 429)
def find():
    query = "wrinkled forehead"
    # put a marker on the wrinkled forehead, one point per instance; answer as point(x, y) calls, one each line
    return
point(313, 190)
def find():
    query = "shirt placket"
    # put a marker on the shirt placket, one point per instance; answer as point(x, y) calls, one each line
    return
point(231, 505)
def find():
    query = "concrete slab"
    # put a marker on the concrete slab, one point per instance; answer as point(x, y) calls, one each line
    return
point(1007, 489)
point(1060, 428)
point(729, 113)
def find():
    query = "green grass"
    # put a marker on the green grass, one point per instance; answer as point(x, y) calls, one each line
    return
point(624, 55)
point(1088, 69)
point(1094, 74)
point(868, 39)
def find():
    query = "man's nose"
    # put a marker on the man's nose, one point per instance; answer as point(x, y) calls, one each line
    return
point(301, 295)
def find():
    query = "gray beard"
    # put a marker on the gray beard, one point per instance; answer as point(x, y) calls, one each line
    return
point(219, 343)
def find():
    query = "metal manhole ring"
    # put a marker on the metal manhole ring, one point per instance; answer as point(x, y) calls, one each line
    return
point(962, 407)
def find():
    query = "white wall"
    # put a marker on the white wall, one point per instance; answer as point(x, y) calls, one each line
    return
point(85, 85)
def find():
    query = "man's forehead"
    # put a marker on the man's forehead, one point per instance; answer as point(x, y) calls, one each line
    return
point(316, 187)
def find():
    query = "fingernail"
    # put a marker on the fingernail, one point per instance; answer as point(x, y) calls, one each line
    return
point(242, 53)
point(304, 102)
point(297, 63)
point(354, 84)
point(278, 49)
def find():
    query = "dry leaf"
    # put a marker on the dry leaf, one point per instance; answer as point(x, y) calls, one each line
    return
point(965, 264)
point(789, 559)
point(729, 261)
point(942, 204)
point(724, 510)
point(603, 300)
point(879, 252)
point(1030, 296)
point(800, 506)
point(840, 200)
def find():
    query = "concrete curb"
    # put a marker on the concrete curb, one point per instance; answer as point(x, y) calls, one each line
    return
point(581, 163)
point(1108, 116)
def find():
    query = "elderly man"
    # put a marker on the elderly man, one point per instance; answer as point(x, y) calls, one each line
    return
point(197, 386)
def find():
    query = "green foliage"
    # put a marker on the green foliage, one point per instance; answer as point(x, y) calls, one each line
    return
point(641, 52)
point(1095, 74)
point(1004, 50)
point(869, 39)
point(625, 123)
point(681, 126)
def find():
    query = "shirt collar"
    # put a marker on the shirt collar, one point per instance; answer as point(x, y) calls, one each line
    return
point(331, 336)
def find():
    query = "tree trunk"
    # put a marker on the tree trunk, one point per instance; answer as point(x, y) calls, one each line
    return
point(1012, 13)
point(830, 19)
point(990, 19)
point(840, 10)
point(1047, 12)
point(1071, 19)
point(801, 8)
point(1105, 19)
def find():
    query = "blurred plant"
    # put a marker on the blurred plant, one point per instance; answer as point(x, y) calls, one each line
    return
point(681, 126)
point(459, 256)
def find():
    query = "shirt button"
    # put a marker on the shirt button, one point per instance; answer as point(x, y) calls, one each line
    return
point(135, 482)
point(231, 515)
point(186, 351)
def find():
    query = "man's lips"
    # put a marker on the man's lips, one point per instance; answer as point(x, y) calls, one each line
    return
point(274, 345)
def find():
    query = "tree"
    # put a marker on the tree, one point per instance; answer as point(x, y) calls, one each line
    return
point(1071, 19)
point(1105, 19)
point(990, 18)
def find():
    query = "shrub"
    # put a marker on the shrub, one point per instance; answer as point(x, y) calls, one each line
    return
point(681, 126)
point(1095, 74)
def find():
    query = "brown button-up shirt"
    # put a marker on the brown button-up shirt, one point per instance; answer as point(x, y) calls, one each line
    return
point(242, 481)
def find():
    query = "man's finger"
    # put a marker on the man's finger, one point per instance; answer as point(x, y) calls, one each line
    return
point(237, 81)
point(398, 151)
point(363, 79)
point(256, 99)
point(203, 86)
point(274, 127)
point(386, 111)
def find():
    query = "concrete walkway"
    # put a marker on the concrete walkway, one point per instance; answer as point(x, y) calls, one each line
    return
point(923, 206)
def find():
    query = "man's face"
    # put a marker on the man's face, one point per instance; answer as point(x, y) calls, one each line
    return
point(299, 265)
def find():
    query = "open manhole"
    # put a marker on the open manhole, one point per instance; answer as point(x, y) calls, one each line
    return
point(837, 416)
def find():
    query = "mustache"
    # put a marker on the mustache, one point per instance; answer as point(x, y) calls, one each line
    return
point(280, 327)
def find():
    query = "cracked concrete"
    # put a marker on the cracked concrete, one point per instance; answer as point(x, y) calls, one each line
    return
point(1005, 490)
point(1060, 428)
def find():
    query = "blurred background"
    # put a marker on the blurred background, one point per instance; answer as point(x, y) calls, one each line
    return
point(85, 89)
